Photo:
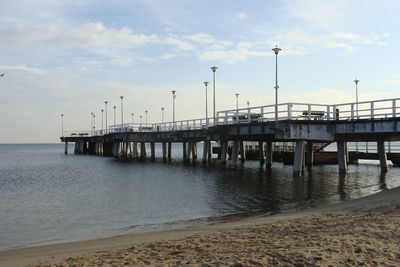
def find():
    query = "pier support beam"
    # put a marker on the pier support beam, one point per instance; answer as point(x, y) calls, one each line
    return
point(194, 151)
point(153, 151)
point(164, 151)
point(298, 158)
point(66, 148)
point(341, 153)
point(261, 154)
point(310, 155)
point(135, 152)
point(184, 151)
point(242, 151)
point(270, 152)
point(382, 156)
point(235, 152)
point(224, 151)
point(189, 150)
point(169, 151)
point(142, 150)
point(206, 147)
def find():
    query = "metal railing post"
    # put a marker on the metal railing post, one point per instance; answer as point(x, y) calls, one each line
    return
point(309, 112)
point(394, 108)
point(372, 110)
point(328, 113)
point(289, 111)
point(352, 111)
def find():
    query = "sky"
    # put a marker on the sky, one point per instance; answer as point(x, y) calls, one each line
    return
point(68, 57)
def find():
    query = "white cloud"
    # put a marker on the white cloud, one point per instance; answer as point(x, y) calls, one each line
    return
point(346, 47)
point(242, 16)
point(180, 44)
point(200, 38)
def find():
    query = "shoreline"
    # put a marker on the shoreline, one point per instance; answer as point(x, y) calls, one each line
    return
point(47, 254)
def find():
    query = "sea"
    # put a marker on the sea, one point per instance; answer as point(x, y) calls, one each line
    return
point(48, 197)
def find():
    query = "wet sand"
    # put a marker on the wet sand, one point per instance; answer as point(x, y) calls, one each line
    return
point(363, 231)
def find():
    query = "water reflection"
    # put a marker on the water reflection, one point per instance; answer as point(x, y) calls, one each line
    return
point(56, 197)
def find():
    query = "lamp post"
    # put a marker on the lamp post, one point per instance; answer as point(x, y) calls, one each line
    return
point(122, 111)
point(114, 114)
point(140, 125)
point(62, 125)
point(276, 51)
point(105, 102)
point(94, 123)
point(162, 115)
point(173, 108)
point(132, 118)
point(237, 102)
point(356, 82)
point(214, 69)
point(248, 104)
point(91, 123)
point(206, 84)
point(146, 116)
point(102, 129)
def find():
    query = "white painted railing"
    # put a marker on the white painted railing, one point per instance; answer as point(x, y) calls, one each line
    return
point(377, 109)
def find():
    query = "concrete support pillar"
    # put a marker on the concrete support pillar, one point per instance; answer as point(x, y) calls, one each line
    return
point(164, 151)
point(153, 151)
point(66, 148)
point(114, 149)
point(169, 151)
point(189, 147)
point(135, 150)
point(209, 151)
point(341, 154)
point(235, 152)
point(270, 152)
point(142, 150)
point(194, 150)
point(206, 147)
point(310, 155)
point(346, 151)
point(298, 158)
point(184, 152)
point(261, 154)
point(242, 151)
point(382, 156)
point(224, 151)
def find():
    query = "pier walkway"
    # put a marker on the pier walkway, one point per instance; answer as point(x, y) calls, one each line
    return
point(306, 125)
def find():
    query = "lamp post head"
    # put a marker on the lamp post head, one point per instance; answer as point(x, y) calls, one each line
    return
point(248, 103)
point(132, 114)
point(121, 97)
point(115, 107)
point(356, 81)
point(162, 108)
point(102, 110)
point(105, 102)
point(62, 115)
point(205, 83)
point(237, 95)
point(146, 111)
point(214, 68)
point(276, 50)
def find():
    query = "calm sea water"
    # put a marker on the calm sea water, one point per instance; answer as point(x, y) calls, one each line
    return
point(49, 197)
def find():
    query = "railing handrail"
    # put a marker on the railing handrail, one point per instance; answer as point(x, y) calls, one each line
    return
point(291, 111)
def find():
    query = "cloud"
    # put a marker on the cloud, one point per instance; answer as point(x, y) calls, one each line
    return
point(200, 38)
point(242, 16)
point(346, 47)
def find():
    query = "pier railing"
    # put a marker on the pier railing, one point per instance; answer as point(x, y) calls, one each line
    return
point(376, 109)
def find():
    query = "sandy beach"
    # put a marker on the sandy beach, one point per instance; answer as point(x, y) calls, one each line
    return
point(360, 232)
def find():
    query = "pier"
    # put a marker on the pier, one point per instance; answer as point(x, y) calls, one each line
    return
point(308, 127)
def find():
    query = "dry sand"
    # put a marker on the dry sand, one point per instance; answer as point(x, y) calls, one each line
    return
point(361, 232)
